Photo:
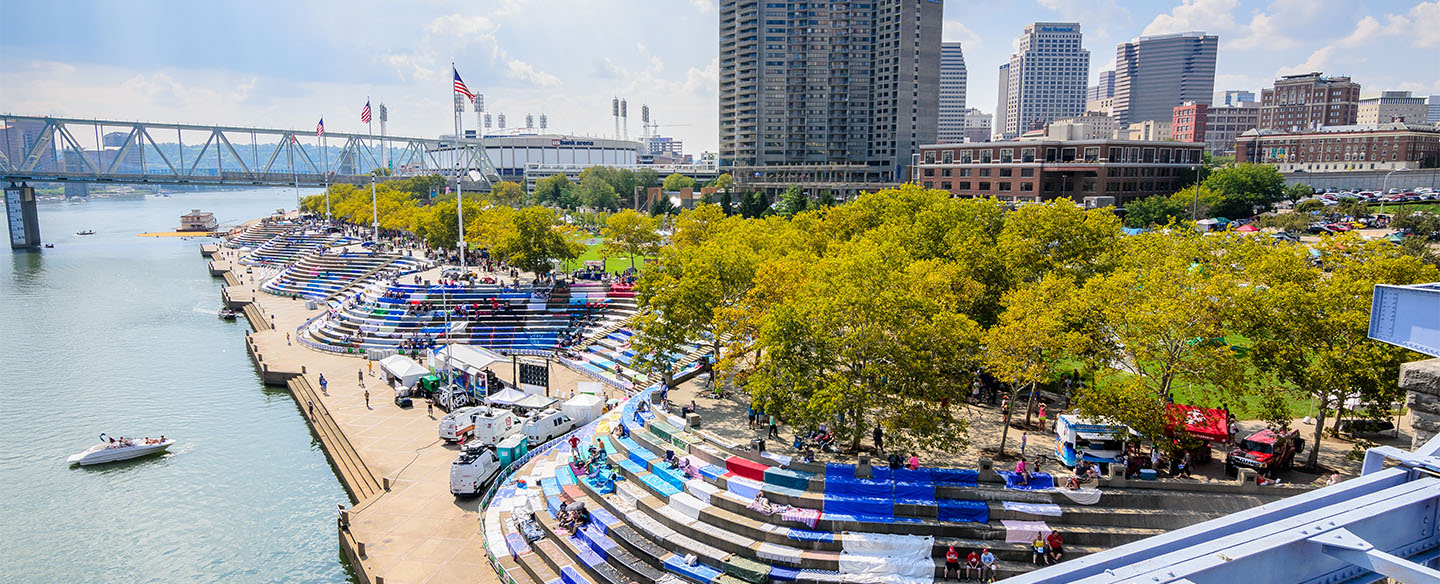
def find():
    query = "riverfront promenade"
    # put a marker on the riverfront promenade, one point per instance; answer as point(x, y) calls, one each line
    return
point(415, 531)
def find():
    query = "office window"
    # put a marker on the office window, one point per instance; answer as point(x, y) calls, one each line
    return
point(985, 156)
point(964, 185)
point(984, 172)
point(1027, 155)
point(1003, 187)
point(1006, 173)
point(1007, 155)
point(1027, 187)
point(1027, 172)
point(947, 156)
point(1092, 154)
point(965, 157)
point(928, 172)
point(984, 186)
point(930, 158)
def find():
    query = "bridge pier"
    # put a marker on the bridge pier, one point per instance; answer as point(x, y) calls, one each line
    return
point(22, 215)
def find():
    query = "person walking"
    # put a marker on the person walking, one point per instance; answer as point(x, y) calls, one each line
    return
point(774, 427)
point(367, 398)
point(360, 374)
point(879, 436)
point(430, 407)
point(323, 384)
point(1024, 438)
point(311, 406)
point(371, 366)
point(287, 338)
point(751, 415)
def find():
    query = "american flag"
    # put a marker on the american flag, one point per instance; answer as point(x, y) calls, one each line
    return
point(320, 128)
point(460, 85)
point(365, 113)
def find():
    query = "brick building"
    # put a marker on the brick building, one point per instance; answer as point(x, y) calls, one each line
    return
point(1039, 170)
point(1309, 101)
point(1189, 121)
point(1342, 148)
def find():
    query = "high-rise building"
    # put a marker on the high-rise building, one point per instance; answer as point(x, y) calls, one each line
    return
point(1434, 117)
point(1153, 74)
point(952, 93)
point(1392, 106)
point(846, 89)
point(1002, 98)
point(1235, 97)
point(1304, 102)
point(1045, 79)
point(1105, 89)
point(977, 126)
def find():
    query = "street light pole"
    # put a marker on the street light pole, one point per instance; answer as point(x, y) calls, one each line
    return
point(1385, 187)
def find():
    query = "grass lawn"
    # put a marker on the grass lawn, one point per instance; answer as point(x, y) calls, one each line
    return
point(1205, 395)
point(614, 264)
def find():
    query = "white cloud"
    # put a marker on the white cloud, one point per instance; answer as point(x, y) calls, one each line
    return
point(704, 6)
point(1096, 17)
point(1216, 17)
point(954, 30)
point(522, 71)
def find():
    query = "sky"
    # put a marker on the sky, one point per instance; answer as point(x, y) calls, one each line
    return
point(285, 64)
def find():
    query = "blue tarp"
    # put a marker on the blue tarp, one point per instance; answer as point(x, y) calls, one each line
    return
point(783, 574)
point(659, 485)
point(915, 493)
point(638, 469)
point(602, 517)
point(954, 477)
point(839, 471)
point(516, 543)
point(858, 488)
point(699, 572)
point(881, 507)
point(712, 472)
point(565, 476)
point(964, 510)
point(671, 476)
point(569, 575)
point(808, 535)
point(1038, 482)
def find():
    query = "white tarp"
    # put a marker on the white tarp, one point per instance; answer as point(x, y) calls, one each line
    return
point(506, 397)
point(1088, 496)
point(536, 402)
point(404, 369)
point(875, 558)
point(1042, 509)
point(467, 358)
point(687, 504)
point(590, 387)
point(701, 489)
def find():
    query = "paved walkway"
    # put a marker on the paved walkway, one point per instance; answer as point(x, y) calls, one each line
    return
point(417, 532)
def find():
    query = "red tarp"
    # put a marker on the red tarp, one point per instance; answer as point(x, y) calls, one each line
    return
point(746, 468)
point(1203, 423)
point(1247, 228)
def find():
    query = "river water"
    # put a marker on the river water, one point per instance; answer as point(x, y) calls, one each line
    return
point(117, 333)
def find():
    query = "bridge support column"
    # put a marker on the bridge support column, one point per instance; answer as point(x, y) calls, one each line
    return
point(1421, 382)
point(22, 216)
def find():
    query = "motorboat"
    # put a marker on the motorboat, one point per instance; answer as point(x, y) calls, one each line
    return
point(120, 449)
point(86, 232)
point(228, 314)
point(49, 246)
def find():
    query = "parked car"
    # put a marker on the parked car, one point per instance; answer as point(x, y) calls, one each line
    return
point(1267, 451)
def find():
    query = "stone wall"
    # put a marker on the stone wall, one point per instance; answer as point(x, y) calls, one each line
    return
point(1421, 382)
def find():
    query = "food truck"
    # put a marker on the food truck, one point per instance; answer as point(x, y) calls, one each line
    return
point(1078, 439)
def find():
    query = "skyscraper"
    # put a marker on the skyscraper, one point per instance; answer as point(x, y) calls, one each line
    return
point(1105, 89)
point(1434, 103)
point(848, 89)
point(1045, 80)
point(1001, 99)
point(1154, 74)
point(952, 93)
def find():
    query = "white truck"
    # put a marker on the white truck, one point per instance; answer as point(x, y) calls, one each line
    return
point(491, 425)
point(457, 423)
point(475, 467)
point(542, 427)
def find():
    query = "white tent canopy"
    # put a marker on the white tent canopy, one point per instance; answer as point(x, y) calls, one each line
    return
point(403, 369)
point(467, 358)
point(506, 397)
point(536, 402)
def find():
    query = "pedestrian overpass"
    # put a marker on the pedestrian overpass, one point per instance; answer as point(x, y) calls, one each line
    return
point(1380, 525)
point(59, 150)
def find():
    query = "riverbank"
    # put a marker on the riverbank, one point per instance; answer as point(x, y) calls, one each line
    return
point(405, 525)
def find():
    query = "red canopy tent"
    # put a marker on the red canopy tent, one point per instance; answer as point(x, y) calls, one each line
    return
point(1204, 423)
point(1247, 228)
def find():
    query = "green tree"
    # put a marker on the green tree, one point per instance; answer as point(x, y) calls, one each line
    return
point(826, 199)
point(1032, 335)
point(537, 239)
point(1295, 192)
point(677, 181)
point(508, 193)
point(595, 193)
point(793, 202)
point(754, 204)
point(1199, 202)
point(1153, 210)
point(647, 178)
point(1309, 206)
point(1246, 187)
point(1058, 237)
point(663, 206)
point(1309, 324)
point(1352, 208)
point(630, 234)
point(1292, 222)
point(555, 190)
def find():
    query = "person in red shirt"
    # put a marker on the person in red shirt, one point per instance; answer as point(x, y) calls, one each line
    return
point(952, 562)
point(1054, 542)
point(972, 563)
point(574, 442)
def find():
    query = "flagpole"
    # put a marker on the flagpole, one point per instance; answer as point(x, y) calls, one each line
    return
point(374, 206)
point(459, 177)
point(325, 153)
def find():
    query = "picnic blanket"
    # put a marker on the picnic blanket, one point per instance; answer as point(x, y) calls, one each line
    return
point(1089, 496)
point(1044, 509)
point(1024, 531)
point(809, 517)
point(1038, 481)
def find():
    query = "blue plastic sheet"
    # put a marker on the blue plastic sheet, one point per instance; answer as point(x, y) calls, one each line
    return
point(671, 476)
point(603, 518)
point(634, 467)
point(959, 510)
point(659, 485)
point(712, 472)
point(516, 543)
point(955, 477)
point(839, 471)
point(877, 506)
point(912, 476)
point(808, 535)
point(915, 493)
point(1038, 482)
point(783, 574)
point(858, 488)
point(569, 575)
